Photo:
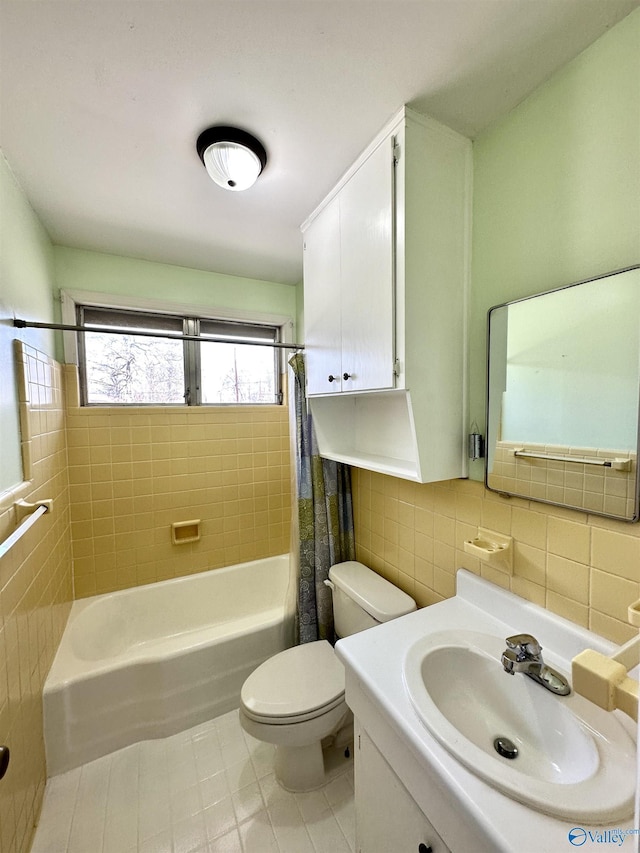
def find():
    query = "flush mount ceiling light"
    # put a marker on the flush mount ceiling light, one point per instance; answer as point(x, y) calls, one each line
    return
point(232, 157)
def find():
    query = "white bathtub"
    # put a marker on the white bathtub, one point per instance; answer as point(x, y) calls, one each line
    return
point(154, 660)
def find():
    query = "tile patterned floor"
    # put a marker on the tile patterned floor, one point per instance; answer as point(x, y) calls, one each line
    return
point(207, 789)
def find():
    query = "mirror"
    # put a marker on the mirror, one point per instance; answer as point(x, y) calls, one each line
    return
point(563, 396)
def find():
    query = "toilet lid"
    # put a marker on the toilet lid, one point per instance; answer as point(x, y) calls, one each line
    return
point(295, 683)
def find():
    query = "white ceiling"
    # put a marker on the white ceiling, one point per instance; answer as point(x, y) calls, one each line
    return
point(101, 104)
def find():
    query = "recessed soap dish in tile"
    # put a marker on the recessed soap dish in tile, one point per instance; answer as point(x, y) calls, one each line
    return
point(492, 548)
point(183, 532)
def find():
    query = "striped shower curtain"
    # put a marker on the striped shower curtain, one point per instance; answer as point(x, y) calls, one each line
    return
point(325, 516)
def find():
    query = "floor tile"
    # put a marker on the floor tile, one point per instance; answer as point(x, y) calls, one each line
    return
point(160, 843)
point(190, 834)
point(345, 814)
point(228, 843)
point(210, 789)
point(213, 789)
point(312, 805)
point(257, 834)
point(327, 836)
point(290, 831)
point(239, 775)
point(219, 818)
point(247, 801)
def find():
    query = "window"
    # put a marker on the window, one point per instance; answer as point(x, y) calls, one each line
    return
point(124, 362)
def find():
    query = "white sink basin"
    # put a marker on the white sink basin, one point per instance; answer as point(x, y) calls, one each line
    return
point(573, 761)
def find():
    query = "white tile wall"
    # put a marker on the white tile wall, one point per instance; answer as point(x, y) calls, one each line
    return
point(207, 789)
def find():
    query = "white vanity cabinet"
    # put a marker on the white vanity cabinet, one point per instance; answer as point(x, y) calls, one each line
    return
point(387, 818)
point(385, 302)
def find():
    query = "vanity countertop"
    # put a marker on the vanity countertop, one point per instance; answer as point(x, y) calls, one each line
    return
point(466, 811)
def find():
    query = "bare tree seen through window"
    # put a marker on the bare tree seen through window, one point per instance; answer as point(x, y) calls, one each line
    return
point(131, 369)
point(237, 374)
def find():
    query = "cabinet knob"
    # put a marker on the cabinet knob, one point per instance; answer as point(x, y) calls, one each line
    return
point(333, 378)
point(424, 848)
point(346, 376)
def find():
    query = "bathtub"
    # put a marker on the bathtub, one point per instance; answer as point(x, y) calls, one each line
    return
point(151, 661)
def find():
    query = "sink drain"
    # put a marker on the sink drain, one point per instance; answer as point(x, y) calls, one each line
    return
point(505, 747)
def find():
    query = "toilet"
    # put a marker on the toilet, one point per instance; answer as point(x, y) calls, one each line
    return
point(295, 700)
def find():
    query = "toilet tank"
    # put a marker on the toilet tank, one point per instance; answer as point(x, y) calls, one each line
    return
point(363, 599)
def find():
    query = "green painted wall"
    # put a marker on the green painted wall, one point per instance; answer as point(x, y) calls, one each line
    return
point(26, 281)
point(557, 187)
point(77, 269)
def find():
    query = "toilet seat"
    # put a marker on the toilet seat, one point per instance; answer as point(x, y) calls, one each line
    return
point(295, 686)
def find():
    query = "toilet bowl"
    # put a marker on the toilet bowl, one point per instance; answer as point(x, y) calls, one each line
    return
point(295, 700)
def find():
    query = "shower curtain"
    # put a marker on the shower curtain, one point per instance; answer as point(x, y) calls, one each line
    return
point(325, 520)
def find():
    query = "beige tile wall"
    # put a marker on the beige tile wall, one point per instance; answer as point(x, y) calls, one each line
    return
point(590, 487)
point(35, 597)
point(583, 567)
point(135, 471)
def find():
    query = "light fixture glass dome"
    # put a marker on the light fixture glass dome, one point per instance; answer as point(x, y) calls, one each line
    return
point(232, 166)
point(233, 158)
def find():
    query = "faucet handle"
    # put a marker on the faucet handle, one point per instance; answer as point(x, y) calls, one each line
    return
point(524, 644)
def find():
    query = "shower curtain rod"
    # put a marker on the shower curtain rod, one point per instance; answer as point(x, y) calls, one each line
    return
point(61, 327)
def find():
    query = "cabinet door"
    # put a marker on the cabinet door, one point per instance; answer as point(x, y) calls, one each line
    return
point(367, 261)
point(323, 329)
point(387, 818)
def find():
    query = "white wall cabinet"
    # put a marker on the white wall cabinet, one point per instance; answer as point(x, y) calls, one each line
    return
point(349, 282)
point(387, 818)
point(323, 325)
point(385, 290)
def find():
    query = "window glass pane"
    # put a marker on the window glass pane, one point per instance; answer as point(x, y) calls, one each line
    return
point(132, 369)
point(237, 374)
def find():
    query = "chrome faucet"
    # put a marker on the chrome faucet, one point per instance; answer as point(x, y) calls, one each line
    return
point(524, 654)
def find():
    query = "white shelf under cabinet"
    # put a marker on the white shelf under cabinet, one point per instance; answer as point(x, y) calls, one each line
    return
point(369, 430)
point(378, 464)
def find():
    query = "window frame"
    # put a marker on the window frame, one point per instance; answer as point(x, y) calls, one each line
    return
point(71, 300)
